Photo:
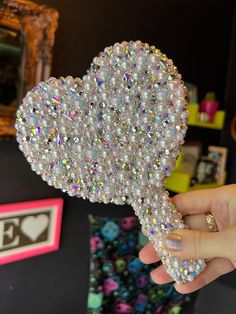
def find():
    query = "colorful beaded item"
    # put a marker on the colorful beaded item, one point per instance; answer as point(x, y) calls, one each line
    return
point(119, 282)
point(114, 137)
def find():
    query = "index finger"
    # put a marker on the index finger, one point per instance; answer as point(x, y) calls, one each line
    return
point(194, 202)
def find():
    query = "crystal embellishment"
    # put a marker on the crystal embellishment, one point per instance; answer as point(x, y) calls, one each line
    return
point(114, 137)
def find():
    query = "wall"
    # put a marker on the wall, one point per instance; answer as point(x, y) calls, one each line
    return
point(195, 34)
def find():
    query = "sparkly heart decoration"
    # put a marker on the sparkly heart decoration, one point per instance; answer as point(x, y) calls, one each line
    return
point(114, 136)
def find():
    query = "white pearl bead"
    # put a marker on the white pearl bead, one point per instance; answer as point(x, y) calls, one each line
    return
point(118, 49)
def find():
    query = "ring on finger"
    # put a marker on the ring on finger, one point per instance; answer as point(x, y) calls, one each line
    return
point(211, 223)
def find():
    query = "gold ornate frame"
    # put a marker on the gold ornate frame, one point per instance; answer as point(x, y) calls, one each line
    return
point(38, 24)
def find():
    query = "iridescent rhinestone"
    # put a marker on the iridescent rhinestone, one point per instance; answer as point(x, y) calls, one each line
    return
point(113, 137)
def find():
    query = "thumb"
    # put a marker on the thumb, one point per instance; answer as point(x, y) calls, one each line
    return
point(200, 244)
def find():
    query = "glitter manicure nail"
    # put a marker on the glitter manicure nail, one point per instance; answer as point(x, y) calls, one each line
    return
point(173, 242)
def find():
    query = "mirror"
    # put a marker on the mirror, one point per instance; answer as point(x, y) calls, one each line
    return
point(27, 32)
point(11, 52)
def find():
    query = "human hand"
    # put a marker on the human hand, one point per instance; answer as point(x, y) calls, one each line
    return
point(217, 248)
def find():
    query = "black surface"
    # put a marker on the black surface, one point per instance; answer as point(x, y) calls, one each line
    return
point(215, 298)
point(195, 34)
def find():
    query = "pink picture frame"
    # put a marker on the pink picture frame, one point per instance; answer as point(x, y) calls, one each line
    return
point(23, 221)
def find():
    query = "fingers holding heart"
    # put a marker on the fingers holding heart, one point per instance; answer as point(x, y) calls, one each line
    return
point(148, 254)
point(160, 276)
point(215, 268)
point(196, 222)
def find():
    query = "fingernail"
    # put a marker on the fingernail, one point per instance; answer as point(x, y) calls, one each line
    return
point(173, 242)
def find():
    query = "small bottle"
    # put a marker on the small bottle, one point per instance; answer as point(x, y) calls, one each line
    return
point(209, 105)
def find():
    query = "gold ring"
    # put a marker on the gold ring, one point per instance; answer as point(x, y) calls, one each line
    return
point(211, 223)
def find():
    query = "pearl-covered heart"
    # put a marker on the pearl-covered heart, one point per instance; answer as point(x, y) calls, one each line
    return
point(113, 136)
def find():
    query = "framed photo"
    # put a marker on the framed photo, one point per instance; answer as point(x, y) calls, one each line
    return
point(192, 95)
point(190, 154)
point(205, 171)
point(219, 155)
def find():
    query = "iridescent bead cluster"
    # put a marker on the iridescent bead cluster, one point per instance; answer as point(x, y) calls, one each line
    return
point(113, 136)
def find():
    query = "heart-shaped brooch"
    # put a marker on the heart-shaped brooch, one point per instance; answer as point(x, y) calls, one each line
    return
point(114, 137)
